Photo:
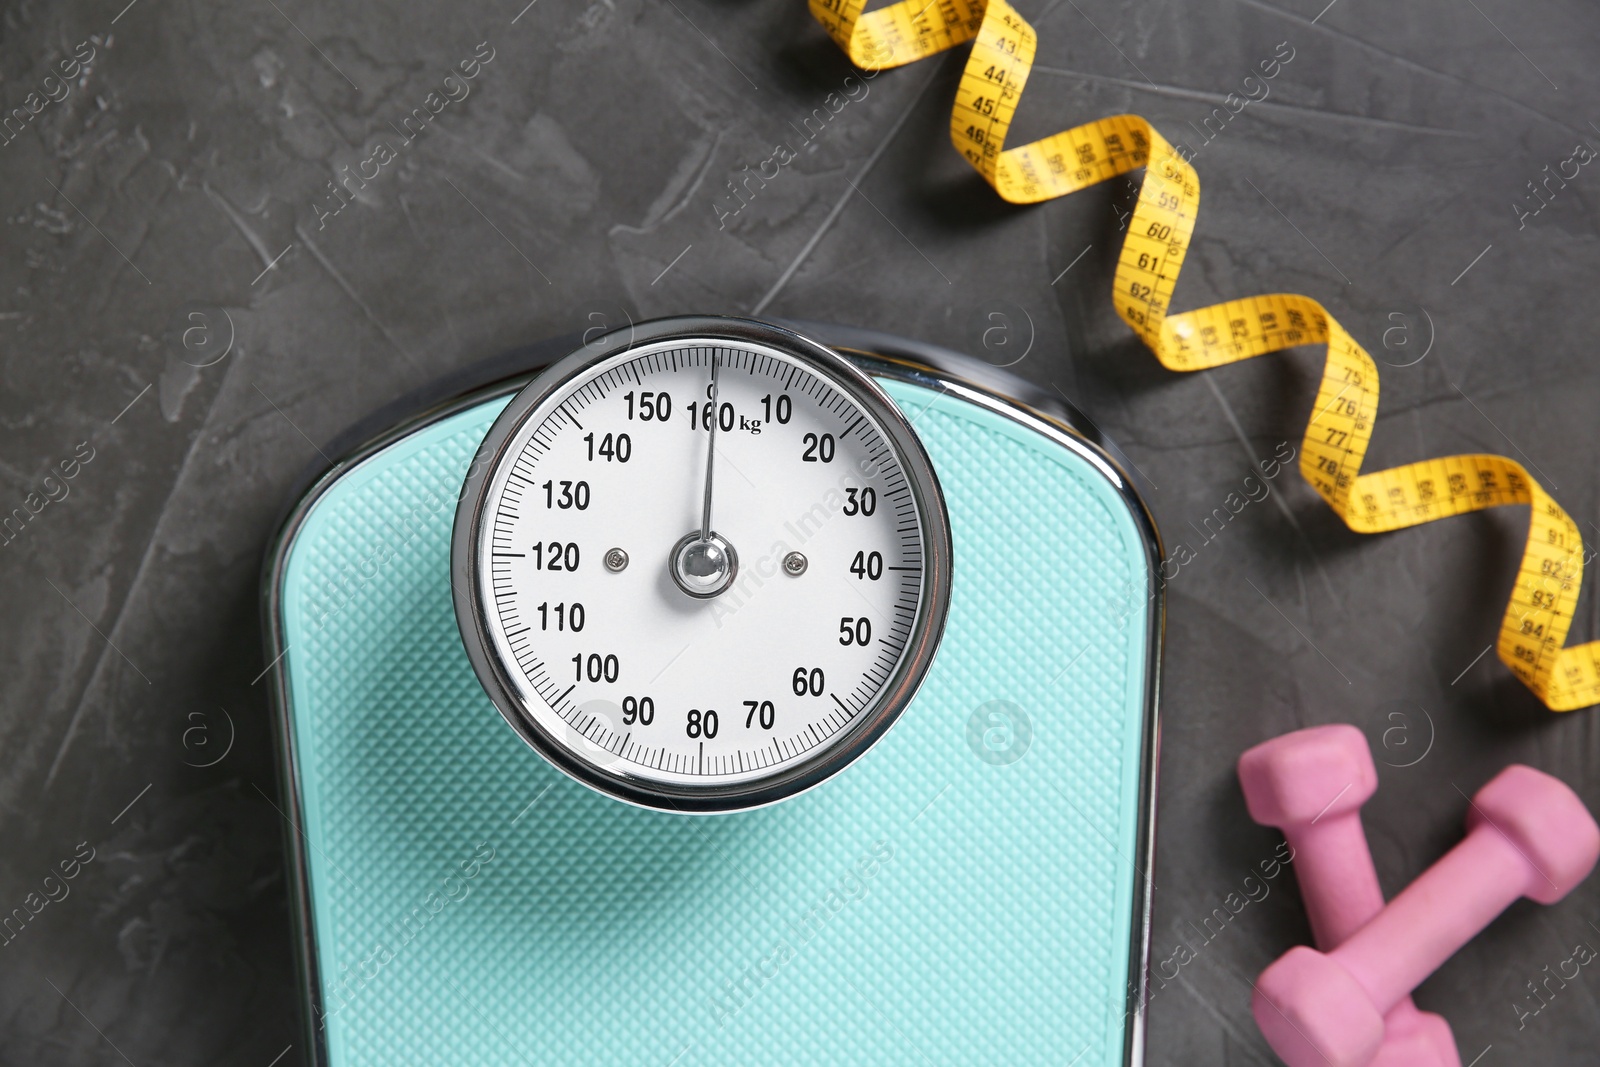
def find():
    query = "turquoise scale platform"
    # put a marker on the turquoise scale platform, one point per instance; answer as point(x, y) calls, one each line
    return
point(472, 906)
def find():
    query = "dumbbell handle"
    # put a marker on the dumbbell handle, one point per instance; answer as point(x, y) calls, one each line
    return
point(1338, 881)
point(1448, 905)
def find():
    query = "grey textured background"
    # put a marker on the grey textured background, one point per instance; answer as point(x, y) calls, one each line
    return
point(590, 154)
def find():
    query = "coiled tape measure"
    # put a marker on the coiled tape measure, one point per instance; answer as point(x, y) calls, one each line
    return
point(1533, 631)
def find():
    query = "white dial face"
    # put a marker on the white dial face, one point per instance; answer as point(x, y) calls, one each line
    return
point(608, 651)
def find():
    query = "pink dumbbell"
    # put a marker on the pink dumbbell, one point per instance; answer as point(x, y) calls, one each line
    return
point(1311, 784)
point(1528, 835)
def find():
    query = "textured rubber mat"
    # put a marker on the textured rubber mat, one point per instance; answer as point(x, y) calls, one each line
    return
point(963, 894)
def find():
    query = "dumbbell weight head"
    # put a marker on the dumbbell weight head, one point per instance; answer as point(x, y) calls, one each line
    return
point(1550, 827)
point(1354, 1034)
point(1313, 1011)
point(1308, 776)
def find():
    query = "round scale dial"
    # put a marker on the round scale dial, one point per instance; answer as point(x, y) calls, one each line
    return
point(705, 572)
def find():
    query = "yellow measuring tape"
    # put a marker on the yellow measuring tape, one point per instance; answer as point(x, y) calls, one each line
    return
point(1534, 631)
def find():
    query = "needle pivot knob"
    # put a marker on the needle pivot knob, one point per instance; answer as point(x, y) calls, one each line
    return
point(704, 567)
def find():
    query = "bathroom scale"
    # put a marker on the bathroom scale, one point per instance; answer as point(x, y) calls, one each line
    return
point(712, 691)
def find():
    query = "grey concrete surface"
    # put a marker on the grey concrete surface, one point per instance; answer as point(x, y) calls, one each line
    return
point(176, 199)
